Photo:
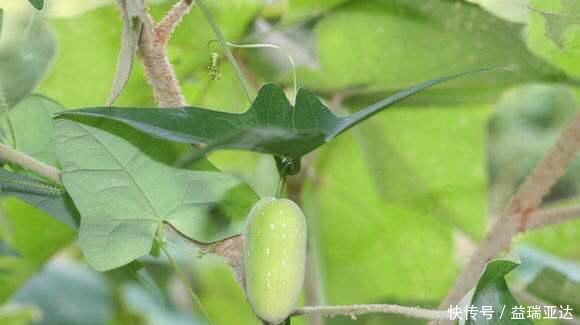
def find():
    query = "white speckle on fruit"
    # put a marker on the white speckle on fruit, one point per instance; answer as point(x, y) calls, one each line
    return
point(284, 225)
point(269, 274)
point(272, 226)
point(267, 251)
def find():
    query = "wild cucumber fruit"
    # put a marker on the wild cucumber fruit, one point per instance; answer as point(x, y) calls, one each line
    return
point(274, 257)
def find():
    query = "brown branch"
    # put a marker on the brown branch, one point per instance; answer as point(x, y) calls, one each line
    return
point(168, 24)
point(515, 216)
point(547, 217)
point(153, 56)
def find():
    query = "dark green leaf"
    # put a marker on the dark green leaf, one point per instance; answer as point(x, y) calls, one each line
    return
point(44, 196)
point(6, 250)
point(492, 290)
point(38, 4)
point(271, 125)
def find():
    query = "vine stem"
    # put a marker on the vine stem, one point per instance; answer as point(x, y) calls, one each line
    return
point(183, 279)
point(26, 161)
point(355, 310)
point(553, 216)
point(520, 209)
point(227, 51)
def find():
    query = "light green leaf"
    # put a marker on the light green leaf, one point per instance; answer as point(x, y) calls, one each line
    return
point(389, 251)
point(34, 112)
point(18, 314)
point(125, 188)
point(379, 46)
point(437, 168)
point(304, 9)
point(554, 33)
point(26, 51)
point(35, 235)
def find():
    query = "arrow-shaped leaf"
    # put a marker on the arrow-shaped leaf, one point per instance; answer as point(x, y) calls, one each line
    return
point(271, 125)
point(50, 199)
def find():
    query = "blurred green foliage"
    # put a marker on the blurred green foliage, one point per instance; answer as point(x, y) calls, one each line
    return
point(394, 206)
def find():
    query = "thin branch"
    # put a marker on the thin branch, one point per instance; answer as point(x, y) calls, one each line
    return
point(30, 163)
point(158, 70)
point(355, 310)
point(231, 249)
point(523, 204)
point(168, 24)
point(547, 217)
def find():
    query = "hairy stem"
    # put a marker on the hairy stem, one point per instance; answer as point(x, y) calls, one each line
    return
point(523, 204)
point(30, 163)
point(153, 55)
point(553, 216)
point(355, 310)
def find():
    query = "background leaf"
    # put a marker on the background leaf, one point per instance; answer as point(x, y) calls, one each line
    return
point(27, 48)
point(554, 33)
point(124, 188)
point(67, 294)
point(376, 47)
point(35, 235)
point(6, 250)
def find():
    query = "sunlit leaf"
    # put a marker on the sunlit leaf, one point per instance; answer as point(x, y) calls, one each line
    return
point(554, 33)
point(35, 235)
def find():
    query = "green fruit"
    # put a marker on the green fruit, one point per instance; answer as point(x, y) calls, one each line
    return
point(274, 257)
